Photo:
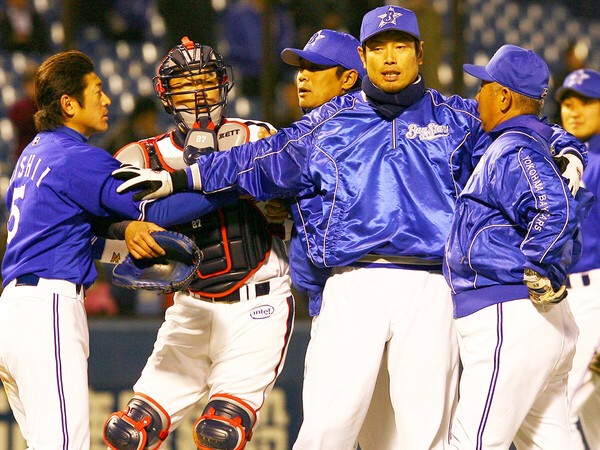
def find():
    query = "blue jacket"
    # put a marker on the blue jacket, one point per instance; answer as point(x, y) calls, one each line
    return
point(515, 212)
point(364, 184)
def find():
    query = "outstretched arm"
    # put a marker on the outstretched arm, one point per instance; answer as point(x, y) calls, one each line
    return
point(274, 167)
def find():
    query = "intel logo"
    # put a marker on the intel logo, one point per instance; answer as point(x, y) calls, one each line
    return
point(262, 312)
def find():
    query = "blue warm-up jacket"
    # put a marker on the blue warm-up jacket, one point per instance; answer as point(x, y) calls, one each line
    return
point(515, 212)
point(363, 184)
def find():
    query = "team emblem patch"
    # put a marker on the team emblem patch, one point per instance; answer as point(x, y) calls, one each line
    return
point(262, 312)
point(429, 132)
point(389, 17)
point(577, 78)
point(315, 37)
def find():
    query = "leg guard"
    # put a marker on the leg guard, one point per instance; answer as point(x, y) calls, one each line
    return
point(226, 424)
point(141, 425)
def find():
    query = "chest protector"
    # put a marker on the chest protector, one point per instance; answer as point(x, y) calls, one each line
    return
point(235, 239)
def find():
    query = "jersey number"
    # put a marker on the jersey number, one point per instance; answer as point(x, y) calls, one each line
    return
point(15, 213)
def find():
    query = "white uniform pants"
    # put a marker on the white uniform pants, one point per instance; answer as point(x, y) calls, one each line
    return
point(516, 357)
point(378, 431)
point(364, 311)
point(209, 348)
point(44, 346)
point(584, 386)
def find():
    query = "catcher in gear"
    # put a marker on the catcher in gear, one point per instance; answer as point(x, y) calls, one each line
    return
point(227, 333)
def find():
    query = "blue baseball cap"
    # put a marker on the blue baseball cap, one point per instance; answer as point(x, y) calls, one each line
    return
point(518, 69)
point(585, 82)
point(387, 18)
point(328, 48)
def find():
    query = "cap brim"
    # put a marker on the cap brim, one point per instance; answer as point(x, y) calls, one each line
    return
point(292, 57)
point(477, 72)
point(366, 38)
point(561, 92)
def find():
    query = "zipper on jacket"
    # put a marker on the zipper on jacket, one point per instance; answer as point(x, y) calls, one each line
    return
point(394, 134)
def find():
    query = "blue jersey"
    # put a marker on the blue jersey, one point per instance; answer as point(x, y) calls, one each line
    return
point(59, 185)
point(515, 212)
point(590, 258)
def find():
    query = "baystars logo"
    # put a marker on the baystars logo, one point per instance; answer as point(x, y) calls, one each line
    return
point(427, 133)
point(389, 17)
point(577, 78)
point(315, 37)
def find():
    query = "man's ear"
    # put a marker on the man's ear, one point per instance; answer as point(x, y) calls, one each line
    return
point(67, 104)
point(420, 53)
point(361, 53)
point(506, 99)
point(349, 78)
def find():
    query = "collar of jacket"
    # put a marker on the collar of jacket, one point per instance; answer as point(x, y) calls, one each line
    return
point(528, 122)
point(71, 132)
point(391, 105)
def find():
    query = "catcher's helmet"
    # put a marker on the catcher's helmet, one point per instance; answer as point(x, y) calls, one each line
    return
point(188, 60)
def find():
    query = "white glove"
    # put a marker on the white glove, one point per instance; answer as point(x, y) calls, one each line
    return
point(572, 171)
point(153, 183)
point(540, 288)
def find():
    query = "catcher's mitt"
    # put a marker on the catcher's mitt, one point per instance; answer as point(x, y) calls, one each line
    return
point(169, 273)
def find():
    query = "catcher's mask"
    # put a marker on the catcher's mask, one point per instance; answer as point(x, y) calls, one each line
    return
point(194, 69)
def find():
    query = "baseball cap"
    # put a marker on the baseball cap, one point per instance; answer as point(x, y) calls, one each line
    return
point(518, 69)
point(387, 18)
point(328, 48)
point(583, 81)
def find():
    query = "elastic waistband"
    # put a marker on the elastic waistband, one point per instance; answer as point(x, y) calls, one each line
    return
point(473, 300)
point(59, 286)
point(583, 279)
point(245, 293)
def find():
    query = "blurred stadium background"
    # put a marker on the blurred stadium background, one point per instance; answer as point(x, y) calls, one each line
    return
point(471, 31)
point(126, 58)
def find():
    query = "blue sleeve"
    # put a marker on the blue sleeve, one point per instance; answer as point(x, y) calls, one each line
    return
point(97, 247)
point(535, 196)
point(185, 207)
point(307, 277)
point(564, 142)
point(275, 167)
point(172, 210)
